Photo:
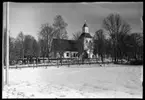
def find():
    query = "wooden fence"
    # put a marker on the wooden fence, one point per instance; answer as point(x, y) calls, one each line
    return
point(60, 62)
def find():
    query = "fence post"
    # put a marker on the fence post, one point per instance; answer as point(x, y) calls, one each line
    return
point(33, 63)
point(82, 60)
point(61, 60)
point(89, 61)
point(79, 61)
point(57, 63)
point(68, 62)
point(36, 62)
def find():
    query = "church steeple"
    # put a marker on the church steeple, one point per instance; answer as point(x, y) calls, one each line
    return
point(85, 28)
point(85, 25)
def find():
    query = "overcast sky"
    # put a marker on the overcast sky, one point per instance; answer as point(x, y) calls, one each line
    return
point(28, 17)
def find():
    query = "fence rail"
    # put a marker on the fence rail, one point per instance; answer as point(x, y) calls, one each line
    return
point(60, 62)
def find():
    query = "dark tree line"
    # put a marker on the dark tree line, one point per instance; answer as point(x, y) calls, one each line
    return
point(23, 46)
point(121, 43)
point(26, 46)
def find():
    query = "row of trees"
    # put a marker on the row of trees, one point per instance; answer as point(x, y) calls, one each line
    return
point(121, 44)
point(22, 46)
point(26, 46)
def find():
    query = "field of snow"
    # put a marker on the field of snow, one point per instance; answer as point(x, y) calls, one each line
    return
point(84, 81)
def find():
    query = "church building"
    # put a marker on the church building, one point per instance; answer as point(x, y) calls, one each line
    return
point(74, 48)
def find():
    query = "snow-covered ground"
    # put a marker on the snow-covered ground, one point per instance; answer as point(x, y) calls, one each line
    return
point(84, 81)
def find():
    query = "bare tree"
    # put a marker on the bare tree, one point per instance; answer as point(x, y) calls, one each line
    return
point(20, 40)
point(60, 31)
point(45, 39)
point(36, 48)
point(135, 45)
point(28, 44)
point(76, 35)
point(99, 43)
point(115, 25)
point(12, 50)
point(60, 25)
point(31, 47)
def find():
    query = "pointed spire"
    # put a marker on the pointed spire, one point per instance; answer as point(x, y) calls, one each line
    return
point(85, 25)
point(85, 28)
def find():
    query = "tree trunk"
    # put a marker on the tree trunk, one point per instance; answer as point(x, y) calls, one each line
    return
point(43, 58)
point(128, 58)
point(61, 58)
point(48, 56)
point(115, 55)
point(23, 50)
point(96, 59)
point(102, 59)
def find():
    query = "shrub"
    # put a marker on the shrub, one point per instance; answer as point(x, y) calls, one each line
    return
point(136, 62)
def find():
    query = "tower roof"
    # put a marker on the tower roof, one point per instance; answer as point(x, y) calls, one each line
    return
point(85, 25)
point(87, 35)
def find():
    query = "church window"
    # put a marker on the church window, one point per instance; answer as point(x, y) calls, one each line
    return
point(76, 54)
point(67, 54)
point(86, 41)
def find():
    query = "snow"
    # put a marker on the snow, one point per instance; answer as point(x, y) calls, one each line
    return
point(76, 81)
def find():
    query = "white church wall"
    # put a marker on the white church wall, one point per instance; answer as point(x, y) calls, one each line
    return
point(73, 54)
point(70, 54)
point(86, 42)
point(86, 30)
point(66, 54)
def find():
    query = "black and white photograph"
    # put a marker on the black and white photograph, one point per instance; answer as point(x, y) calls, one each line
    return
point(72, 50)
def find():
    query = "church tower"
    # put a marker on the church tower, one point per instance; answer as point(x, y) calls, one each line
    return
point(85, 28)
point(86, 40)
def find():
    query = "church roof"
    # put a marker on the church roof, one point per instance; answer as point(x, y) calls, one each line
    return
point(85, 25)
point(85, 35)
point(64, 45)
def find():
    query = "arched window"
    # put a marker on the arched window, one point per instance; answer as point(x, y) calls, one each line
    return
point(90, 41)
point(73, 54)
point(67, 54)
point(86, 41)
point(76, 54)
